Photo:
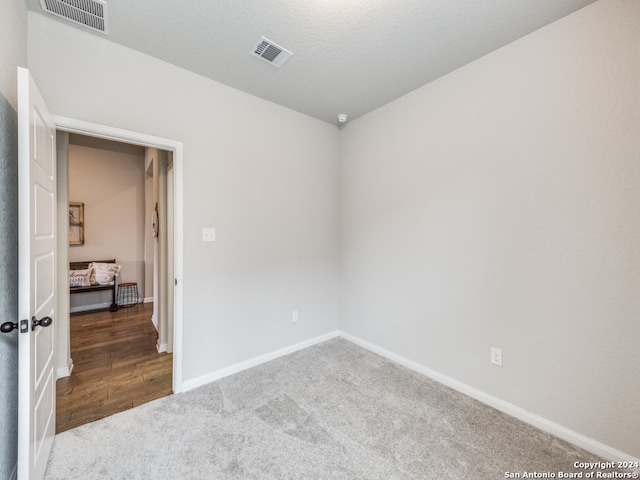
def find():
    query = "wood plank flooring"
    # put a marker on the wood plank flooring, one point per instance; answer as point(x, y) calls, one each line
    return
point(116, 366)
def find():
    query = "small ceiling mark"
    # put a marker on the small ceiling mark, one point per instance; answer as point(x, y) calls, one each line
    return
point(270, 52)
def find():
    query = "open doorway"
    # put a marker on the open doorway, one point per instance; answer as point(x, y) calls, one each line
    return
point(121, 359)
point(165, 276)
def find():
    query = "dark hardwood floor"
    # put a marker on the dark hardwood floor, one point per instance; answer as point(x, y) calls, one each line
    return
point(116, 366)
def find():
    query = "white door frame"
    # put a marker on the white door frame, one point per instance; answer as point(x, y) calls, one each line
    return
point(110, 133)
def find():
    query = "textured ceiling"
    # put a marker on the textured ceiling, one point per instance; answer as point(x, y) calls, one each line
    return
point(350, 56)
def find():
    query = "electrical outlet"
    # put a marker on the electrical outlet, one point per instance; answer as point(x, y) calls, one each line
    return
point(294, 317)
point(496, 356)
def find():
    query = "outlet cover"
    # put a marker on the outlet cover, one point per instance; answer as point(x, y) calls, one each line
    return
point(496, 356)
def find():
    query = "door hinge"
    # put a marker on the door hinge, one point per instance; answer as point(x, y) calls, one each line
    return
point(24, 326)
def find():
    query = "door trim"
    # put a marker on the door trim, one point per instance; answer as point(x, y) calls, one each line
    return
point(110, 133)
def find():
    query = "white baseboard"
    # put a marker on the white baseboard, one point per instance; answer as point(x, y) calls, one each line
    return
point(161, 347)
point(147, 300)
point(252, 362)
point(537, 421)
point(65, 371)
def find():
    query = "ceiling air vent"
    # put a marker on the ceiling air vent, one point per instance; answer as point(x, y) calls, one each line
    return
point(88, 13)
point(270, 52)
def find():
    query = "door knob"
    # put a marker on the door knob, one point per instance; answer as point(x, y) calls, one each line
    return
point(7, 327)
point(43, 322)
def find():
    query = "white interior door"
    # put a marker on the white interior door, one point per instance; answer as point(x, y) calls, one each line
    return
point(36, 276)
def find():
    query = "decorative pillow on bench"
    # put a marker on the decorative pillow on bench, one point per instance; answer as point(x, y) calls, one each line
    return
point(80, 278)
point(104, 273)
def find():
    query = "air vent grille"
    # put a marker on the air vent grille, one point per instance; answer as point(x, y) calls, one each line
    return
point(270, 52)
point(88, 13)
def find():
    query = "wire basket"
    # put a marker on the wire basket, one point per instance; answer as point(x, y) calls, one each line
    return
point(127, 294)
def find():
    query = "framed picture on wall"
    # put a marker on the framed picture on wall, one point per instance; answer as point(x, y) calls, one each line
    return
point(76, 223)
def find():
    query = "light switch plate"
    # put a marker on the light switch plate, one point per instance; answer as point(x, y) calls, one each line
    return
point(208, 234)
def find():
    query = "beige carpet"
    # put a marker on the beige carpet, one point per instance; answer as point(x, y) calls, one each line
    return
point(331, 411)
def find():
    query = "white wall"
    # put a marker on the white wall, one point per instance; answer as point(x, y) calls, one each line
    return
point(13, 48)
point(108, 178)
point(498, 206)
point(262, 175)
